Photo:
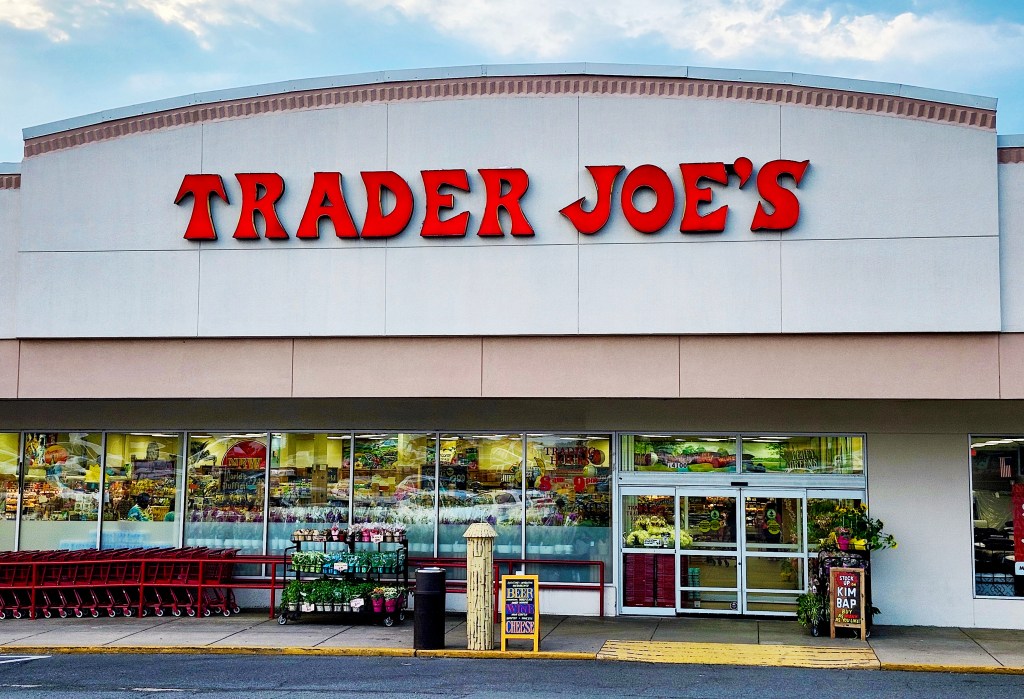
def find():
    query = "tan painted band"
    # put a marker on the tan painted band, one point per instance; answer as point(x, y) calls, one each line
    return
point(542, 86)
point(941, 366)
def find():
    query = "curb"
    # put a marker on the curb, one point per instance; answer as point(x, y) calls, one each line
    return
point(960, 669)
point(341, 651)
point(359, 651)
point(511, 654)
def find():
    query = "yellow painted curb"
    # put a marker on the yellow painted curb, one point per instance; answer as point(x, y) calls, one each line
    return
point(499, 655)
point(208, 650)
point(740, 654)
point(964, 669)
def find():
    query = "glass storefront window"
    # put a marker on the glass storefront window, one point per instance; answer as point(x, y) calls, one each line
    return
point(679, 453)
point(569, 503)
point(481, 481)
point(309, 484)
point(140, 504)
point(837, 455)
point(226, 486)
point(393, 482)
point(997, 482)
point(9, 444)
point(60, 502)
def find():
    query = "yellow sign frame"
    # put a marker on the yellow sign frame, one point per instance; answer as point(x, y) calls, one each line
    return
point(503, 600)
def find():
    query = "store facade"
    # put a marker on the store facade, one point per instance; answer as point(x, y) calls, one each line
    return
point(654, 318)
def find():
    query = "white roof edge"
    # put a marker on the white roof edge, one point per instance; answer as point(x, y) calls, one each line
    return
point(511, 70)
point(1012, 140)
point(10, 168)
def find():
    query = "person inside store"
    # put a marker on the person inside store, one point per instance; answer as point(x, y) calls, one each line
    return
point(139, 511)
point(169, 517)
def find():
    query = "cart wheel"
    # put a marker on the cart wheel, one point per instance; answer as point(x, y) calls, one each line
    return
point(190, 611)
point(95, 613)
point(206, 612)
point(46, 614)
point(226, 612)
point(158, 611)
point(3, 615)
point(389, 621)
point(236, 610)
point(111, 613)
point(401, 616)
point(282, 620)
point(128, 611)
point(145, 612)
point(176, 612)
point(79, 613)
point(16, 614)
point(63, 613)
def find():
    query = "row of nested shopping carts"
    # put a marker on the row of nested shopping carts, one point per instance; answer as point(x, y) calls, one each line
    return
point(193, 580)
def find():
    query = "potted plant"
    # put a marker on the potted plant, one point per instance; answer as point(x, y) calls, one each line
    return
point(290, 596)
point(391, 598)
point(812, 612)
point(377, 599)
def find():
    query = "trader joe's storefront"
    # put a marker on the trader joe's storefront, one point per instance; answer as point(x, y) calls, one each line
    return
point(704, 531)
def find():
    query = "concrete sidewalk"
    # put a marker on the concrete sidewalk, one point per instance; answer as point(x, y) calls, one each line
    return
point(688, 640)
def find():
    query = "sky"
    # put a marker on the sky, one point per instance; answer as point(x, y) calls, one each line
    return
point(66, 58)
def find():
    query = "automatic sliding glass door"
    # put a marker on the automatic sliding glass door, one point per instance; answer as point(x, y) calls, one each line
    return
point(774, 546)
point(707, 557)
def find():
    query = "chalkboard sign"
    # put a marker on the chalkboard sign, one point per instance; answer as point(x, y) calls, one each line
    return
point(520, 616)
point(846, 599)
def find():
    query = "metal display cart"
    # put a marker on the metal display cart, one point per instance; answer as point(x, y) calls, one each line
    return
point(355, 561)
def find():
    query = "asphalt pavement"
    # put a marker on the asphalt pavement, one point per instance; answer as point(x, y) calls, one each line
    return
point(237, 677)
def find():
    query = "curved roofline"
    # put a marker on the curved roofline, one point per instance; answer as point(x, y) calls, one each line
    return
point(514, 70)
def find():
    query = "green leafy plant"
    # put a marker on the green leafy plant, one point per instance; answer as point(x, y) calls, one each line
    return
point(811, 610)
point(837, 526)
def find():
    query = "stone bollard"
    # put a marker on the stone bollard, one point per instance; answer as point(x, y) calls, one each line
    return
point(480, 586)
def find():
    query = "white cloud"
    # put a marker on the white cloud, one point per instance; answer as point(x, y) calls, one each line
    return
point(31, 15)
point(741, 31)
point(58, 19)
point(720, 30)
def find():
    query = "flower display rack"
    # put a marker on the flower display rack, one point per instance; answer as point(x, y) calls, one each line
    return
point(340, 573)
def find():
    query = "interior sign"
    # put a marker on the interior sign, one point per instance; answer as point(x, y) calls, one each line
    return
point(504, 189)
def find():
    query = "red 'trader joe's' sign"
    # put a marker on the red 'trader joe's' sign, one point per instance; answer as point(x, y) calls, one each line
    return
point(504, 189)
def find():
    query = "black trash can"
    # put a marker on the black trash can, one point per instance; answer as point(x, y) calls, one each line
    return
point(428, 625)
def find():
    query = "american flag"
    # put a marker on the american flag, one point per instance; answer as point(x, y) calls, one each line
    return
point(1005, 469)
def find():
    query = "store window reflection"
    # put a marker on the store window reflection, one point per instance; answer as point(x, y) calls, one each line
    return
point(309, 484)
point(997, 481)
point(393, 483)
point(836, 455)
point(679, 453)
point(9, 446)
point(140, 504)
point(226, 486)
point(481, 481)
point(568, 499)
point(61, 494)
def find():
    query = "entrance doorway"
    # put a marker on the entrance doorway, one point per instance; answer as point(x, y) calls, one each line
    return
point(712, 550)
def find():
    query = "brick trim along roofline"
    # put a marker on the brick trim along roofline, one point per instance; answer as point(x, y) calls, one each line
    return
point(10, 181)
point(483, 87)
point(1011, 155)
